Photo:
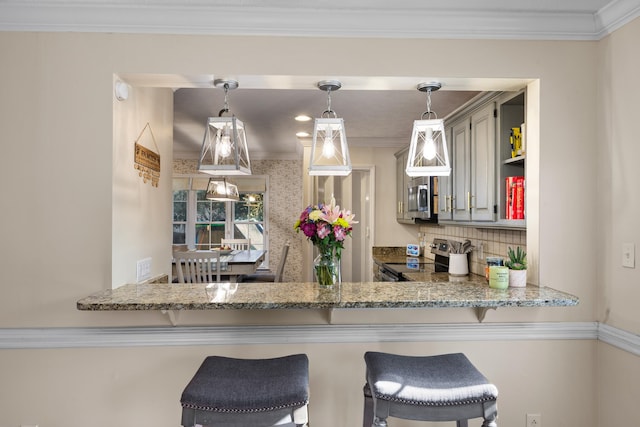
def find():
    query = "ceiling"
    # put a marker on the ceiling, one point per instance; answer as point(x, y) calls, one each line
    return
point(378, 111)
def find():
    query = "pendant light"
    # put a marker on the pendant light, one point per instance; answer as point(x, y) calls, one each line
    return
point(221, 190)
point(224, 148)
point(329, 151)
point(428, 153)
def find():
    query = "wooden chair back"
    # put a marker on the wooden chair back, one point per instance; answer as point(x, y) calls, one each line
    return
point(198, 267)
point(281, 263)
point(237, 244)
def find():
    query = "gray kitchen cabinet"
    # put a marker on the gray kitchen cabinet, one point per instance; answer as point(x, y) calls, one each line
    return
point(478, 142)
point(402, 183)
point(445, 185)
point(474, 165)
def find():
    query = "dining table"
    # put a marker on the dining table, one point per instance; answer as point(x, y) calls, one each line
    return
point(239, 262)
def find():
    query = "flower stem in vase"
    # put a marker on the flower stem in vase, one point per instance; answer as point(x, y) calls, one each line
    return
point(327, 269)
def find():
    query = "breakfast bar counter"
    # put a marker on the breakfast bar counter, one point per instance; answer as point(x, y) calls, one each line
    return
point(437, 292)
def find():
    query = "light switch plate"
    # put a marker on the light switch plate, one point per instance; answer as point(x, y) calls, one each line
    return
point(143, 270)
point(629, 255)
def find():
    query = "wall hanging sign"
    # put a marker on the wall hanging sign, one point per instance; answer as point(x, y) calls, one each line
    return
point(147, 161)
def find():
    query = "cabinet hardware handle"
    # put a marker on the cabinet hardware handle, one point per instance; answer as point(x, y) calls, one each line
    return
point(469, 197)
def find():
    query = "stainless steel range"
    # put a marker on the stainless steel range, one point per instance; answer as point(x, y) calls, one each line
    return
point(395, 272)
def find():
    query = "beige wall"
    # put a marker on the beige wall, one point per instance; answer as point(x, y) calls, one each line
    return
point(618, 208)
point(55, 115)
point(140, 210)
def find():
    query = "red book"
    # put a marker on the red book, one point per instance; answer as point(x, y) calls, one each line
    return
point(510, 186)
point(519, 198)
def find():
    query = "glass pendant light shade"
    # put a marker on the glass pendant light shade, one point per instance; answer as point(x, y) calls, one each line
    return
point(329, 150)
point(221, 190)
point(428, 152)
point(224, 147)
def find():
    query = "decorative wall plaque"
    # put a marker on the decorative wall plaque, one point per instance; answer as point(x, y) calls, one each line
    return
point(147, 161)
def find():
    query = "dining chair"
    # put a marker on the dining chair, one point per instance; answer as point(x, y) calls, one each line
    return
point(198, 267)
point(236, 244)
point(268, 276)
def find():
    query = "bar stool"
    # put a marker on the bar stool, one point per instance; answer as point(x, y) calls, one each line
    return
point(248, 392)
point(431, 388)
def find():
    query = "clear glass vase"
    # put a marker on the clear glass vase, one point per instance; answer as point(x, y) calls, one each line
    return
point(327, 269)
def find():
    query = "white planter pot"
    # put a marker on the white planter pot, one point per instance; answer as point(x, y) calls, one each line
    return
point(517, 278)
point(458, 265)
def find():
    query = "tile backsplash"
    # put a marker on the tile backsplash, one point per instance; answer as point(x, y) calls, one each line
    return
point(487, 242)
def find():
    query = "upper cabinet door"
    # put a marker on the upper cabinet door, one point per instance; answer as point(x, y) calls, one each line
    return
point(402, 181)
point(461, 136)
point(483, 166)
point(445, 184)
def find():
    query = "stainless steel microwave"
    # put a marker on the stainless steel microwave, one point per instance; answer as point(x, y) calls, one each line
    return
point(421, 198)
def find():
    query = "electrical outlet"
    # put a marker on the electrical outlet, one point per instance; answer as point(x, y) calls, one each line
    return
point(143, 270)
point(629, 255)
point(534, 420)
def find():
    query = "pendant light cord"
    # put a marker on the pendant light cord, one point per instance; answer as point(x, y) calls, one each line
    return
point(226, 100)
point(429, 112)
point(329, 111)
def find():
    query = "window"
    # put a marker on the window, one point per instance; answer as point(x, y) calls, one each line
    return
point(210, 223)
point(199, 223)
point(248, 219)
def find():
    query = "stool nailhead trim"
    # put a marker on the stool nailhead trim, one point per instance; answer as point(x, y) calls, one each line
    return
point(243, 411)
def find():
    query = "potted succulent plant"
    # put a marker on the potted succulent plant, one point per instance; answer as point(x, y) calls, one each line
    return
point(517, 264)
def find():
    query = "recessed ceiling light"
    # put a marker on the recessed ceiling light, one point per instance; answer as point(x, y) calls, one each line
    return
point(303, 134)
point(303, 118)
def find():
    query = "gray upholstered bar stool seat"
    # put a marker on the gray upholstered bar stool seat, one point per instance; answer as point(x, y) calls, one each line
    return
point(248, 392)
point(430, 388)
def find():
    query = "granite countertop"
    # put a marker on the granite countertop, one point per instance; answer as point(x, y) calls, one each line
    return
point(426, 289)
point(440, 291)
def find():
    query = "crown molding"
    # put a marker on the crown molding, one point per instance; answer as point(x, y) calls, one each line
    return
point(615, 15)
point(408, 20)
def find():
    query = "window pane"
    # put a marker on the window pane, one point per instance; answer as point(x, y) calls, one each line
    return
point(253, 231)
point(179, 234)
point(180, 196)
point(208, 210)
point(203, 212)
point(249, 208)
point(209, 235)
point(180, 211)
point(218, 211)
point(180, 205)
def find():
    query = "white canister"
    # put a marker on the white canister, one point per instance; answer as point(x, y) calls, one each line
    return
point(458, 265)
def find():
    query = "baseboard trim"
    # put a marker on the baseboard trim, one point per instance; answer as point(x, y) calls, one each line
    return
point(50, 338)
